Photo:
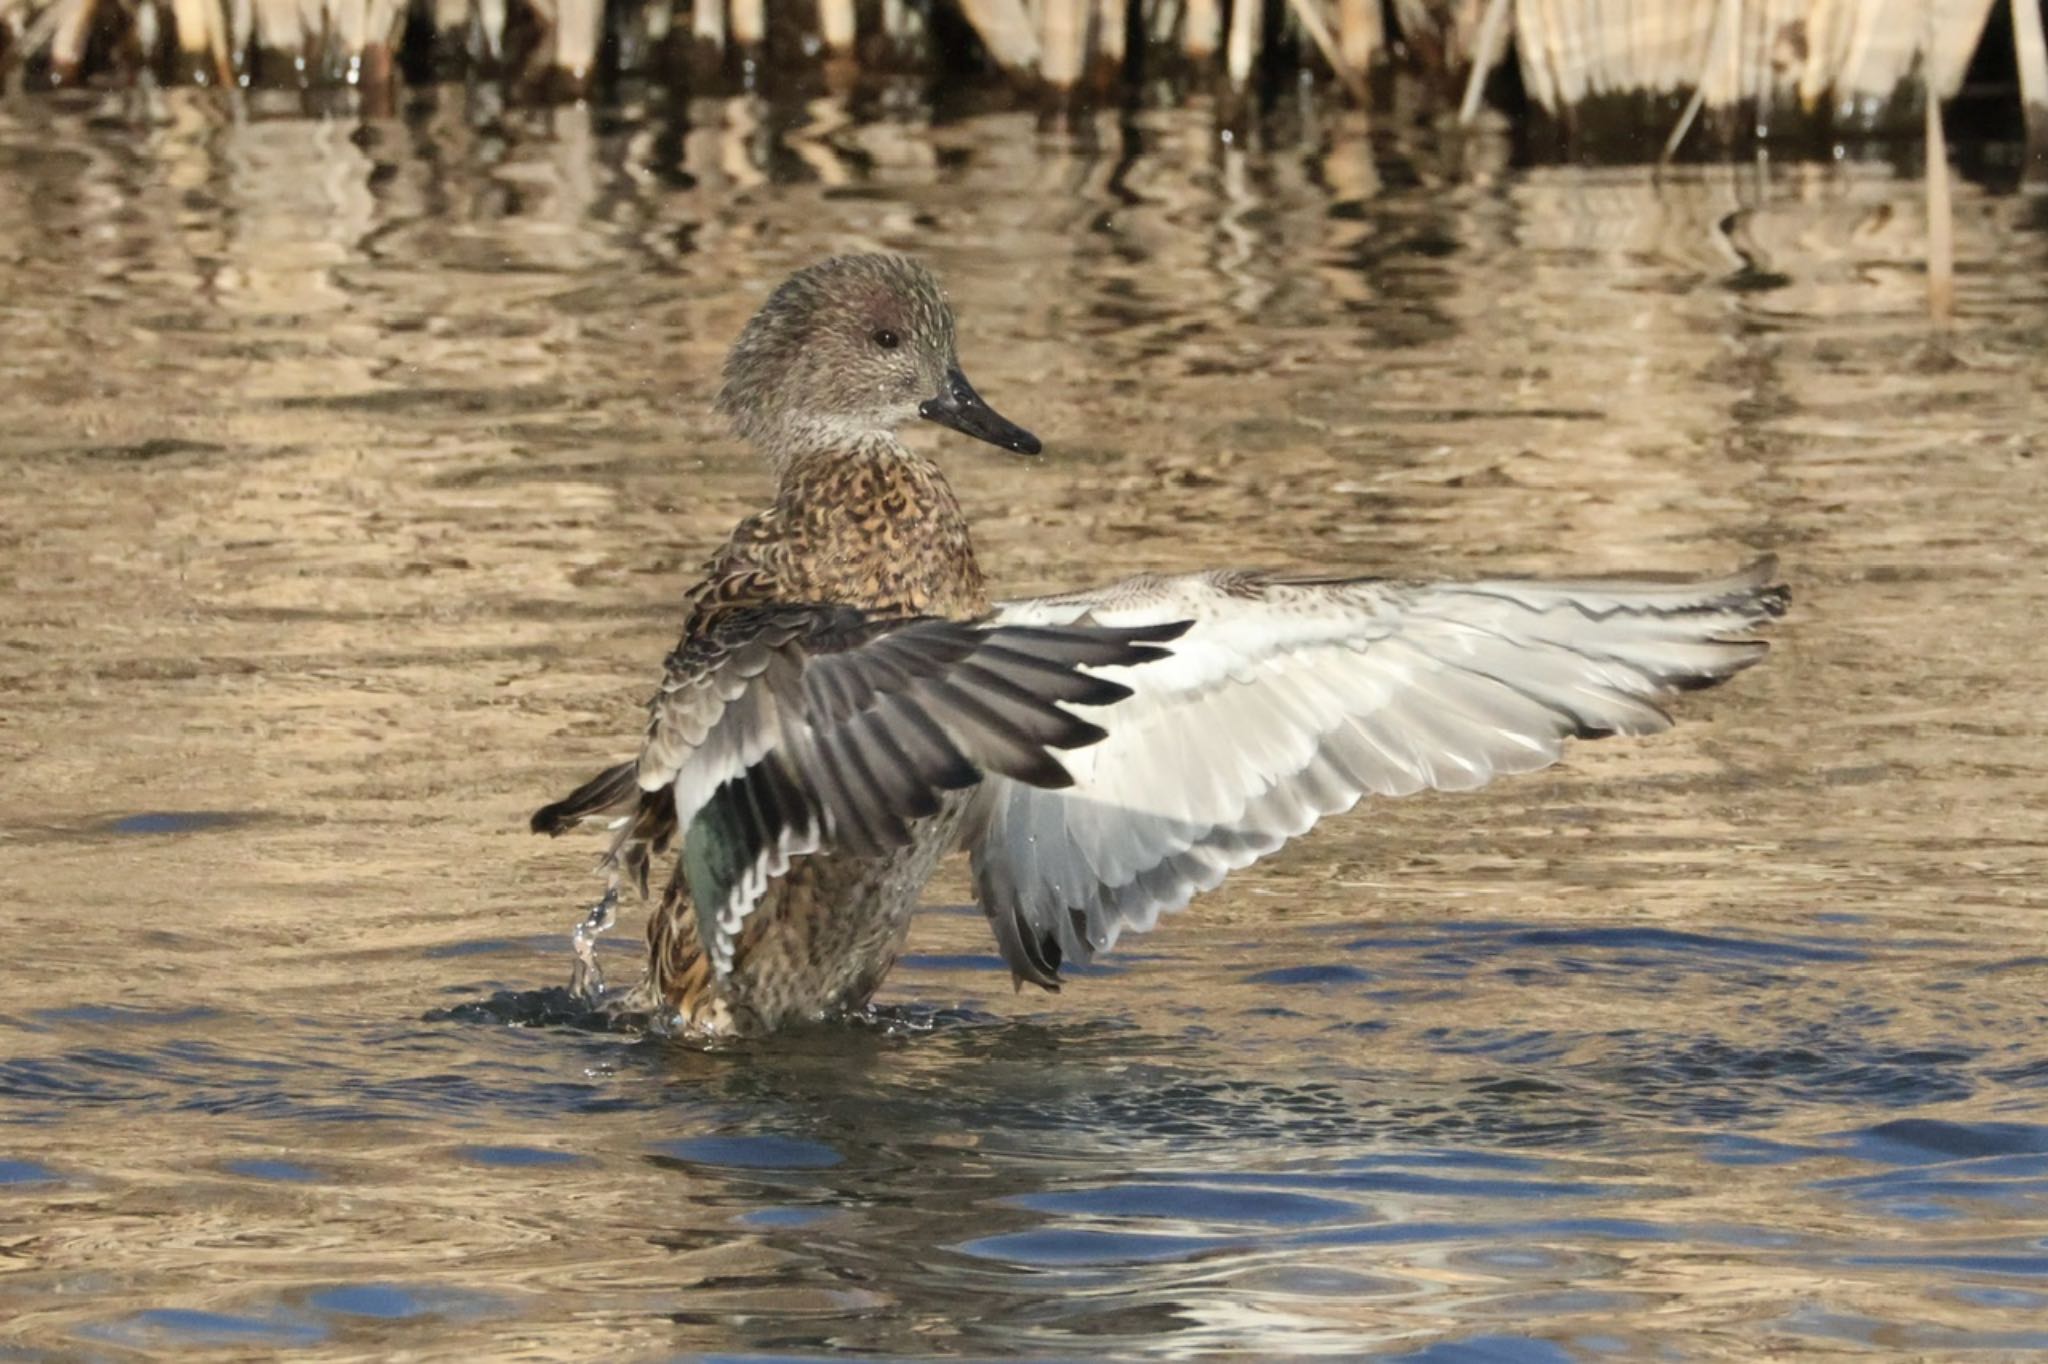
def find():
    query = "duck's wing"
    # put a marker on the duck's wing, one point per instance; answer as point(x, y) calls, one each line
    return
point(782, 730)
point(1290, 698)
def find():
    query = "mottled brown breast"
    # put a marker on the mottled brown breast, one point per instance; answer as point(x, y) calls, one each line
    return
point(878, 529)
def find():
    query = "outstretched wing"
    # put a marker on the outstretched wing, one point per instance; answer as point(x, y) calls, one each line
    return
point(782, 730)
point(1289, 699)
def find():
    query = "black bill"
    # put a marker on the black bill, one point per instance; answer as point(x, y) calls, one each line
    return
point(961, 408)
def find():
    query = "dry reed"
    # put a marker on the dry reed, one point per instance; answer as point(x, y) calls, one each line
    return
point(1828, 63)
point(1006, 31)
point(1941, 248)
point(1202, 31)
point(1063, 37)
point(837, 24)
point(1242, 47)
point(2032, 53)
point(749, 19)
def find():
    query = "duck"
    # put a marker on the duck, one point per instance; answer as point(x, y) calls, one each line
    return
point(847, 705)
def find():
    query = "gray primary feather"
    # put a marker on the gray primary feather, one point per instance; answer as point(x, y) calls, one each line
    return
point(1289, 699)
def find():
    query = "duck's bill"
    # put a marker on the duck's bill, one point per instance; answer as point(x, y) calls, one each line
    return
point(960, 407)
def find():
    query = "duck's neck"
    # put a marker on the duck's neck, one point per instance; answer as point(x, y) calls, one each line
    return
point(877, 526)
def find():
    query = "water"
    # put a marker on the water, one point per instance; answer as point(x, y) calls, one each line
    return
point(351, 478)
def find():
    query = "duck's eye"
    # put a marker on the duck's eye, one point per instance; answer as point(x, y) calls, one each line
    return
point(886, 339)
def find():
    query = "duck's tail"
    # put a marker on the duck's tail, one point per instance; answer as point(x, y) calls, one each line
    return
point(612, 791)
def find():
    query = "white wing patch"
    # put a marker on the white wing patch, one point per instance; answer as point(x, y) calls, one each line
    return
point(1289, 700)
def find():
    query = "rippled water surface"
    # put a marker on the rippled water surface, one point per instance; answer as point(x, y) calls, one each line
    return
point(351, 475)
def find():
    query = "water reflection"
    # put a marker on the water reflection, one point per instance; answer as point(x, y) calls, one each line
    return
point(351, 474)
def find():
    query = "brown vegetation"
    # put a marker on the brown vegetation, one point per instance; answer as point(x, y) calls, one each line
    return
point(1815, 66)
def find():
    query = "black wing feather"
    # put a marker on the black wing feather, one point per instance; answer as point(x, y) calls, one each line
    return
point(860, 721)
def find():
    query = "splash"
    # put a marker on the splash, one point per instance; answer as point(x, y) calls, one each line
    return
point(586, 977)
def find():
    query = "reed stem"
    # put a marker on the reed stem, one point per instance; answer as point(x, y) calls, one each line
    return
point(1112, 25)
point(2032, 52)
point(1006, 31)
point(1941, 246)
point(1064, 31)
point(1360, 34)
point(490, 28)
point(1246, 19)
point(1310, 16)
point(1202, 33)
point(579, 29)
point(1485, 53)
point(202, 36)
point(707, 23)
point(837, 24)
point(70, 29)
point(749, 23)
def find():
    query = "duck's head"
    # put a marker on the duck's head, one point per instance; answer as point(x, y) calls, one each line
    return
point(849, 349)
